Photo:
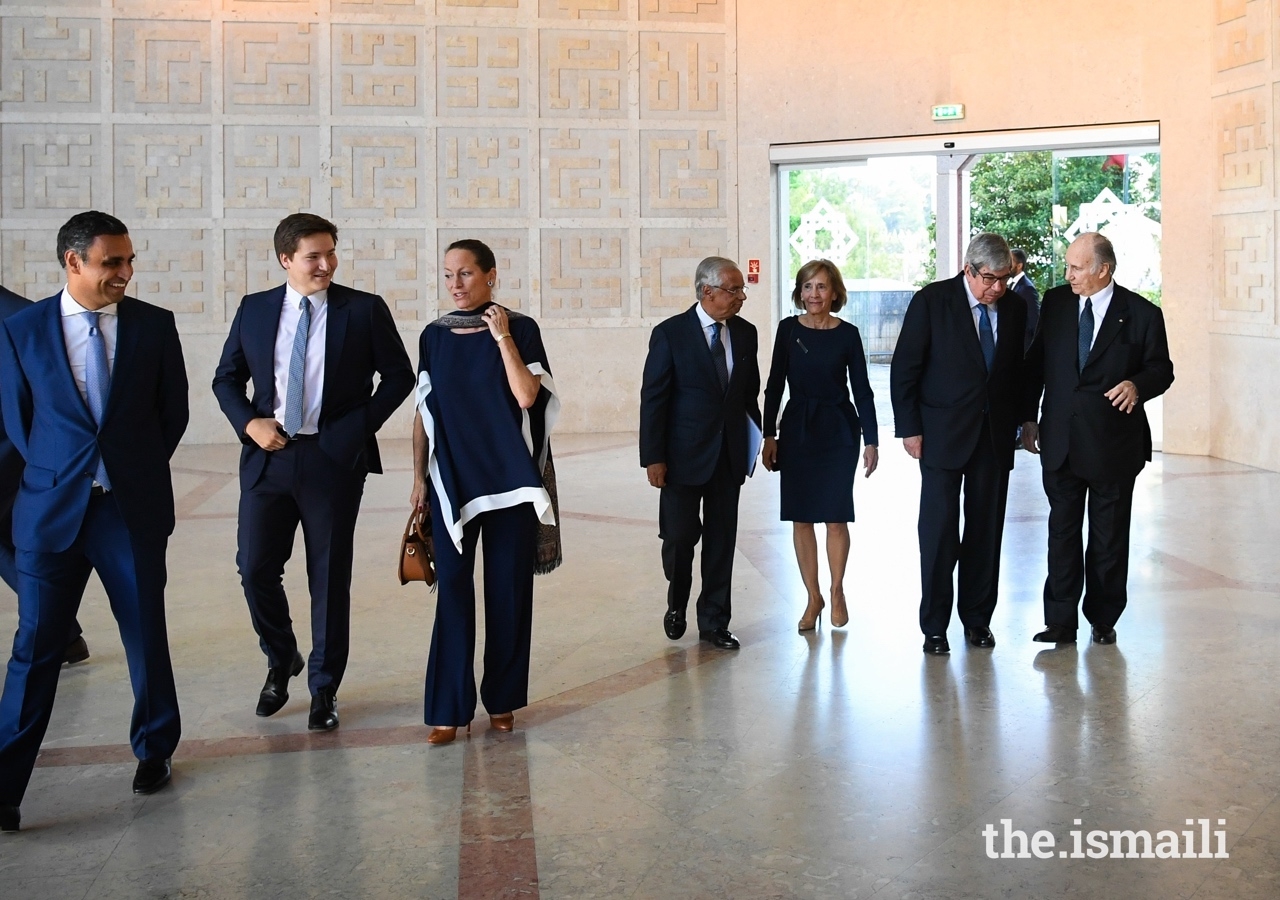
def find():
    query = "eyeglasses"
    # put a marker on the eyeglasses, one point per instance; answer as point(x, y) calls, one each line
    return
point(737, 292)
point(988, 279)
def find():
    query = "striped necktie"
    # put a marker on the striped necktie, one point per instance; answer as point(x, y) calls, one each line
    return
point(1086, 334)
point(718, 357)
point(97, 384)
point(297, 371)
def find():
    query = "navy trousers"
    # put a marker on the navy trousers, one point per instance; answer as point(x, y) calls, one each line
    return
point(9, 563)
point(301, 484)
point(50, 586)
point(510, 553)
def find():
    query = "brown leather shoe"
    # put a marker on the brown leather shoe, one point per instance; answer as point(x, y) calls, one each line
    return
point(502, 721)
point(444, 734)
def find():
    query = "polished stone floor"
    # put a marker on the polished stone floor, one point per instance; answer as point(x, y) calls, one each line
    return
point(838, 764)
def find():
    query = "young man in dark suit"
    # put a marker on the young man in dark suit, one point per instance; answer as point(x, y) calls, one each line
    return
point(10, 477)
point(701, 385)
point(956, 385)
point(1021, 285)
point(1100, 353)
point(94, 392)
point(311, 347)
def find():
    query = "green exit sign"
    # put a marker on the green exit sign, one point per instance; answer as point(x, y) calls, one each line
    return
point(949, 112)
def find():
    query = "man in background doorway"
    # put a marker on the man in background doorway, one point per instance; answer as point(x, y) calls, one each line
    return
point(1022, 285)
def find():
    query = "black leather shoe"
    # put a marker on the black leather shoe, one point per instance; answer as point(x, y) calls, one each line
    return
point(1103, 635)
point(936, 644)
point(1056, 634)
point(152, 775)
point(77, 652)
point(324, 712)
point(721, 638)
point(980, 636)
point(673, 624)
point(10, 817)
point(275, 693)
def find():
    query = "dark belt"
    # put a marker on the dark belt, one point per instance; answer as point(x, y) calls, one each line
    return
point(306, 437)
point(98, 491)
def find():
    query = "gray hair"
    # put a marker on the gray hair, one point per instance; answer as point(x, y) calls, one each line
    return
point(989, 250)
point(710, 271)
point(1103, 251)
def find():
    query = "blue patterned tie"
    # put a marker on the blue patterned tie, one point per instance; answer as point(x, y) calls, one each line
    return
point(718, 357)
point(1086, 334)
point(986, 336)
point(297, 371)
point(97, 384)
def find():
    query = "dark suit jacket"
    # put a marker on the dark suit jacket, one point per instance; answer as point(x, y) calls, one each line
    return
point(939, 382)
point(1103, 443)
point(52, 428)
point(684, 416)
point(361, 339)
point(1028, 292)
point(10, 459)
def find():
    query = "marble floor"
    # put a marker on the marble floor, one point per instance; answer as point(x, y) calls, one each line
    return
point(838, 764)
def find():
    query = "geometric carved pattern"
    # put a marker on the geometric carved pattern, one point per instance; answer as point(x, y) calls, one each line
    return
point(30, 263)
point(268, 169)
point(681, 75)
point(49, 168)
point(668, 258)
point(682, 10)
point(376, 70)
point(1245, 254)
point(378, 172)
point(583, 73)
point(445, 5)
point(170, 270)
point(1243, 142)
point(379, 7)
point(49, 63)
point(479, 72)
point(387, 263)
point(482, 173)
point(1239, 33)
point(584, 272)
point(161, 171)
point(269, 65)
point(249, 265)
point(162, 66)
point(682, 173)
point(510, 248)
point(582, 172)
point(581, 9)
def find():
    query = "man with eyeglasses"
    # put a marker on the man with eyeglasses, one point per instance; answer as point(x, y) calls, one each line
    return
point(699, 409)
point(956, 384)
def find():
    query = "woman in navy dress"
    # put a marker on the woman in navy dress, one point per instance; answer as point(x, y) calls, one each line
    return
point(485, 407)
point(819, 357)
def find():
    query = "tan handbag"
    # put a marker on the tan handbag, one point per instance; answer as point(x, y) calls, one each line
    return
point(417, 550)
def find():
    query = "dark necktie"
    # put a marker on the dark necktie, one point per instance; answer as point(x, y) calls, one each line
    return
point(97, 384)
point(718, 357)
point(986, 336)
point(297, 372)
point(1086, 334)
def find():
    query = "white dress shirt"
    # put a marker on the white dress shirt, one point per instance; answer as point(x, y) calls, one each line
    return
point(977, 316)
point(313, 378)
point(1101, 302)
point(75, 334)
point(708, 332)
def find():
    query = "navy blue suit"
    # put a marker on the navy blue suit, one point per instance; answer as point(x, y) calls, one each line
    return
point(316, 482)
point(63, 529)
point(10, 465)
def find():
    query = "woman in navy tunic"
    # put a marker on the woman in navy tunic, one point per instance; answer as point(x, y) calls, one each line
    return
point(818, 357)
point(485, 407)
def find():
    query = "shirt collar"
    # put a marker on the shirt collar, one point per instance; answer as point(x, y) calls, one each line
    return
point(706, 319)
point(1103, 296)
point(71, 307)
point(293, 298)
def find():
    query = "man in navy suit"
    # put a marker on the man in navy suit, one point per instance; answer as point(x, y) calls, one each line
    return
point(1021, 285)
point(1099, 355)
point(311, 348)
point(10, 477)
point(701, 383)
point(956, 385)
point(94, 392)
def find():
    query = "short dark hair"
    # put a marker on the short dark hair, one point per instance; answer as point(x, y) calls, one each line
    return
point(292, 229)
point(813, 267)
point(1019, 256)
point(479, 249)
point(82, 229)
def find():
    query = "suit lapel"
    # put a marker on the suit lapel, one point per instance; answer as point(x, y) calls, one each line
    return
point(335, 334)
point(1112, 322)
point(963, 312)
point(126, 345)
point(258, 332)
point(60, 362)
point(700, 336)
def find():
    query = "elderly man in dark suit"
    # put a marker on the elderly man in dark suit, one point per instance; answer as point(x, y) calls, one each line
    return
point(311, 347)
point(956, 385)
point(10, 477)
point(698, 408)
point(94, 393)
point(1099, 355)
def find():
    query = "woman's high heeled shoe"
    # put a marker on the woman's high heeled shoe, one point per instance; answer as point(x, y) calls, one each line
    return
point(839, 611)
point(812, 616)
point(445, 734)
point(502, 721)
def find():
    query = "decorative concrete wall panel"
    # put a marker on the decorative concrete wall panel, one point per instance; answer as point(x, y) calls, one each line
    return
point(584, 74)
point(50, 64)
point(668, 259)
point(30, 261)
point(709, 11)
point(270, 67)
point(510, 248)
point(1244, 248)
point(171, 271)
point(50, 170)
point(162, 66)
point(379, 172)
point(377, 70)
point(585, 272)
point(162, 171)
point(682, 173)
point(682, 76)
point(1240, 34)
point(583, 172)
point(480, 71)
point(269, 170)
point(483, 172)
point(582, 9)
point(1241, 124)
